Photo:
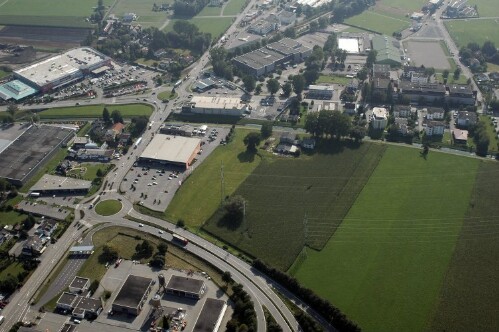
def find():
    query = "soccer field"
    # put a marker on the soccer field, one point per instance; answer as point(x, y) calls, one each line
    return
point(385, 264)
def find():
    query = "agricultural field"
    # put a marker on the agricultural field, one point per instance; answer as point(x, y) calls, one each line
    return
point(479, 31)
point(199, 196)
point(146, 16)
point(234, 7)
point(404, 6)
point(486, 8)
point(66, 13)
point(281, 193)
point(95, 111)
point(468, 298)
point(214, 25)
point(390, 255)
point(379, 21)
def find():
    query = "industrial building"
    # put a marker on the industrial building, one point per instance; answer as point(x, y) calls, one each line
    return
point(266, 59)
point(211, 316)
point(216, 106)
point(173, 150)
point(81, 307)
point(132, 295)
point(31, 150)
point(56, 185)
point(186, 287)
point(320, 92)
point(63, 69)
point(388, 50)
point(79, 285)
point(16, 90)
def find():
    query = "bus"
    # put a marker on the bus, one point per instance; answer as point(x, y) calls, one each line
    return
point(177, 84)
point(179, 239)
point(34, 194)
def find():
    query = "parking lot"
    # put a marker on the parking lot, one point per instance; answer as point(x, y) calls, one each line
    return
point(156, 184)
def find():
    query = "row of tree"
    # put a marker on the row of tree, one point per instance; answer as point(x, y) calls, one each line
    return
point(244, 315)
point(476, 57)
point(188, 8)
point(332, 124)
point(481, 138)
point(322, 306)
point(185, 35)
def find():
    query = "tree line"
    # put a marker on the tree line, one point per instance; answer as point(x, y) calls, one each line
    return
point(474, 52)
point(322, 306)
point(333, 124)
point(244, 315)
point(188, 8)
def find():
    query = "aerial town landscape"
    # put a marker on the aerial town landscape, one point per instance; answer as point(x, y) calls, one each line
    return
point(249, 165)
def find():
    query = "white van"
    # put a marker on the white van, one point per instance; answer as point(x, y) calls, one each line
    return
point(2, 318)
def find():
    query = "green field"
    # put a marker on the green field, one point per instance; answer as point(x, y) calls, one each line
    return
point(405, 6)
point(468, 298)
point(108, 207)
point(234, 7)
point(70, 13)
point(479, 31)
point(214, 25)
point(492, 67)
point(199, 196)
point(385, 264)
point(12, 217)
point(88, 171)
point(168, 95)
point(490, 130)
point(383, 23)
point(210, 11)
point(486, 8)
point(143, 9)
point(13, 269)
point(282, 192)
point(95, 111)
point(3, 73)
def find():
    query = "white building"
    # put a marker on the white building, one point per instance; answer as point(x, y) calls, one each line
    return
point(435, 128)
point(435, 113)
point(379, 118)
point(216, 106)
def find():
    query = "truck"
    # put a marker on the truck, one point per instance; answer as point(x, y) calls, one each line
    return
point(177, 84)
point(94, 201)
point(34, 194)
point(137, 142)
point(179, 240)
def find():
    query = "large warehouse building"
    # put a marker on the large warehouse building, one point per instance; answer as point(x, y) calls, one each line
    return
point(265, 60)
point(59, 185)
point(63, 69)
point(216, 106)
point(132, 295)
point(173, 150)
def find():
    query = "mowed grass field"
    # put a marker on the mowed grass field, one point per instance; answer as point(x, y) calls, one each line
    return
point(385, 265)
point(199, 196)
point(468, 299)
point(143, 9)
point(283, 192)
point(234, 7)
point(108, 207)
point(95, 111)
point(479, 31)
point(379, 21)
point(214, 25)
point(66, 13)
point(486, 8)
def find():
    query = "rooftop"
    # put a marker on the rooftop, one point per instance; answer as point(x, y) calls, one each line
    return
point(132, 291)
point(59, 66)
point(212, 309)
point(79, 282)
point(217, 102)
point(16, 90)
point(380, 113)
point(184, 284)
point(388, 48)
point(259, 58)
point(460, 89)
point(88, 304)
point(67, 298)
point(55, 182)
point(321, 88)
point(431, 88)
point(351, 45)
point(178, 149)
point(460, 134)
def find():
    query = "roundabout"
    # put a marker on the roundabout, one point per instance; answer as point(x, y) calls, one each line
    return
point(108, 207)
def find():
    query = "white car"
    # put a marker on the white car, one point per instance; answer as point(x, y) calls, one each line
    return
point(149, 184)
point(155, 183)
point(141, 225)
point(160, 232)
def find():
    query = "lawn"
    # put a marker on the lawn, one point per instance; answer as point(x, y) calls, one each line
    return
point(479, 31)
point(12, 217)
point(282, 193)
point(334, 79)
point(199, 196)
point(214, 25)
point(381, 22)
point(13, 269)
point(404, 5)
point(95, 111)
point(167, 95)
point(108, 207)
point(3, 73)
point(486, 8)
point(71, 13)
point(385, 264)
point(88, 171)
point(234, 7)
point(490, 130)
point(468, 298)
point(143, 9)
point(210, 11)
point(450, 79)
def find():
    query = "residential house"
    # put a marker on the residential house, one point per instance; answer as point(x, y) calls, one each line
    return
point(287, 149)
point(287, 138)
point(494, 76)
point(129, 17)
point(79, 142)
point(411, 70)
point(435, 113)
point(381, 71)
point(114, 132)
point(46, 228)
point(401, 111)
point(379, 118)
point(420, 78)
point(435, 128)
point(466, 119)
point(33, 246)
point(402, 126)
point(263, 27)
point(380, 85)
point(350, 108)
point(417, 92)
point(460, 136)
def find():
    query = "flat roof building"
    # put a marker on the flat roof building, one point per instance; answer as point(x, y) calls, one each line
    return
point(174, 150)
point(211, 316)
point(216, 105)
point(79, 285)
point(132, 295)
point(320, 92)
point(62, 69)
point(81, 307)
point(186, 287)
point(16, 90)
point(379, 118)
point(54, 184)
point(27, 153)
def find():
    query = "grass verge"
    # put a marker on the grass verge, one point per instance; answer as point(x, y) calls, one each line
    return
point(108, 207)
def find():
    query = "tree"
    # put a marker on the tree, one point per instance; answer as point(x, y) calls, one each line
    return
point(273, 86)
point(143, 250)
point(445, 74)
point(116, 115)
point(234, 208)
point(457, 73)
point(106, 116)
point(298, 84)
point(227, 277)
point(287, 88)
point(139, 125)
point(258, 89)
point(371, 58)
point(252, 140)
point(249, 83)
point(266, 130)
point(12, 109)
point(362, 74)
point(99, 173)
point(162, 248)
point(109, 254)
